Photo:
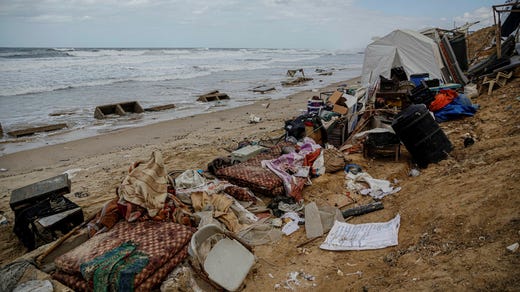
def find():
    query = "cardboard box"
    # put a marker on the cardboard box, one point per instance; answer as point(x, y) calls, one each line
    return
point(342, 110)
point(338, 102)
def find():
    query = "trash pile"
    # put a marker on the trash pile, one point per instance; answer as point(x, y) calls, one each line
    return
point(198, 228)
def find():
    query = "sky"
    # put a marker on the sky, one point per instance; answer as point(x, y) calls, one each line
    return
point(313, 24)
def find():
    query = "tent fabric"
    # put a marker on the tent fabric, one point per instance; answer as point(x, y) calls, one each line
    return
point(415, 52)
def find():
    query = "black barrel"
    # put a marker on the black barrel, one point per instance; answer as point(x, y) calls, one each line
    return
point(421, 135)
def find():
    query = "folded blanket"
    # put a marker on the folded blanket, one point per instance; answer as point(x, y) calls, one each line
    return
point(160, 242)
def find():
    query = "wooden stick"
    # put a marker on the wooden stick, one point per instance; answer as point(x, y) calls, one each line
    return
point(308, 241)
point(62, 239)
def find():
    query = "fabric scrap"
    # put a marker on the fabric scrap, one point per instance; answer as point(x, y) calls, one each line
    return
point(377, 188)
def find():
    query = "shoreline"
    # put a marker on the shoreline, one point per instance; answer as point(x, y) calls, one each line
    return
point(165, 131)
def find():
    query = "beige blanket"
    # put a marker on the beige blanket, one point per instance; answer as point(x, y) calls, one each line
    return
point(146, 185)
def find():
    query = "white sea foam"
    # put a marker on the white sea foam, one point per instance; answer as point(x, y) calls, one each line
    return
point(38, 83)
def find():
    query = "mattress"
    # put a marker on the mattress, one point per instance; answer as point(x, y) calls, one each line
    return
point(164, 243)
point(250, 174)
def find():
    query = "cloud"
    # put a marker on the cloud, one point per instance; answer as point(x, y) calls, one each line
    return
point(482, 14)
point(48, 18)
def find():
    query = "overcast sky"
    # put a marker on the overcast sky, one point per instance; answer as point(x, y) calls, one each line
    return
point(329, 24)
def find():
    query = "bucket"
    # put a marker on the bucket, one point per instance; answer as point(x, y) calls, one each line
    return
point(417, 78)
point(421, 135)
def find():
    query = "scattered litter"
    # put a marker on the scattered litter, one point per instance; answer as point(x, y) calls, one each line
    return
point(270, 276)
point(468, 141)
point(81, 194)
point(277, 222)
point(364, 209)
point(414, 172)
point(307, 277)
point(190, 179)
point(359, 273)
point(3, 220)
point(340, 273)
point(345, 236)
point(378, 188)
point(254, 119)
point(286, 207)
point(353, 168)
point(292, 280)
point(513, 247)
point(72, 172)
point(181, 279)
point(291, 226)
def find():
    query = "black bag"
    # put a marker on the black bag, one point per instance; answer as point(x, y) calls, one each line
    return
point(296, 128)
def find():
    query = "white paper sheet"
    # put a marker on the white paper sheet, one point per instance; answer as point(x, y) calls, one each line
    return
point(345, 236)
point(291, 226)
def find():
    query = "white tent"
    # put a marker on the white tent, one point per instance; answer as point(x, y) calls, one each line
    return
point(413, 51)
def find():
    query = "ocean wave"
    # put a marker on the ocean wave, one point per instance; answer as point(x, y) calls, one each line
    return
point(36, 53)
point(104, 82)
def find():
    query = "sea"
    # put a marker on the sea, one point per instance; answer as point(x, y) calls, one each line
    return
point(42, 86)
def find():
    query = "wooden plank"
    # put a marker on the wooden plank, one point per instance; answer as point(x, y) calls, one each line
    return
point(160, 107)
point(31, 131)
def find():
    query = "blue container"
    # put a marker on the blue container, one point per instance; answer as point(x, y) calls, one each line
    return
point(417, 78)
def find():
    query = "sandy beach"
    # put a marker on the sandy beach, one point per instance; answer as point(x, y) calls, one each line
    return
point(457, 216)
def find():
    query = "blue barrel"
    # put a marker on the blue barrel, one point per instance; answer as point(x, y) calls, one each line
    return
point(417, 78)
point(421, 135)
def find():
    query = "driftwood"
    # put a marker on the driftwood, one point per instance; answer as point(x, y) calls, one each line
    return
point(31, 131)
point(356, 211)
point(308, 241)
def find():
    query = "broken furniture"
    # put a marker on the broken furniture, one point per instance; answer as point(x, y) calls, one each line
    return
point(121, 109)
point(394, 99)
point(213, 96)
point(500, 79)
point(337, 132)
point(293, 79)
point(227, 261)
point(381, 145)
point(43, 203)
point(33, 130)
